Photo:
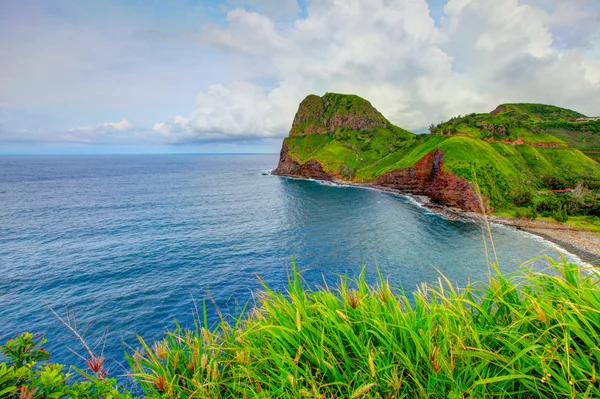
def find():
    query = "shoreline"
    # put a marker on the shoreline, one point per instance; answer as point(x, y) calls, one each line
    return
point(582, 244)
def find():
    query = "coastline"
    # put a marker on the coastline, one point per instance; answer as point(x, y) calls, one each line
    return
point(581, 243)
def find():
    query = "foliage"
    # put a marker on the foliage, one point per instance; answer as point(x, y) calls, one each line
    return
point(27, 374)
point(527, 213)
point(533, 334)
point(549, 204)
point(472, 146)
point(555, 182)
point(560, 215)
point(524, 197)
point(563, 206)
point(530, 335)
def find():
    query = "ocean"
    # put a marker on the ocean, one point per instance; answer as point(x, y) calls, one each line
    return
point(131, 243)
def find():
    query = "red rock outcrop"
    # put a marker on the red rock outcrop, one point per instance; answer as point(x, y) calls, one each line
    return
point(312, 169)
point(428, 178)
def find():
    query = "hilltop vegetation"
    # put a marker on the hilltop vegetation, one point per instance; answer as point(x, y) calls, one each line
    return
point(531, 123)
point(514, 148)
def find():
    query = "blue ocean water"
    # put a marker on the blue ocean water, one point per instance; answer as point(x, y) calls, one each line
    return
point(132, 242)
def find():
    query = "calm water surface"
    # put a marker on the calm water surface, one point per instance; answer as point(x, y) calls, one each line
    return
point(132, 241)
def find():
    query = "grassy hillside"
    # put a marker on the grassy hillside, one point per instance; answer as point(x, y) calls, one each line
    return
point(476, 146)
point(532, 123)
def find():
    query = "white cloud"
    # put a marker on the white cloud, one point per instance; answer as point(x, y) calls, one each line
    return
point(239, 110)
point(103, 133)
point(392, 53)
point(104, 127)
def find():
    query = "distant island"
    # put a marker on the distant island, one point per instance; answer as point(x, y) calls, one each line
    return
point(528, 161)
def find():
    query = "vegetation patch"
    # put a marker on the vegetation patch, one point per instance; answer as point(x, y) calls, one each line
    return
point(527, 335)
point(515, 147)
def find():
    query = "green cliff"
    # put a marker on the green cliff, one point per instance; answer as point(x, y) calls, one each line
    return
point(514, 148)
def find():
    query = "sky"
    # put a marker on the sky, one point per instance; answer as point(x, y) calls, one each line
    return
point(156, 76)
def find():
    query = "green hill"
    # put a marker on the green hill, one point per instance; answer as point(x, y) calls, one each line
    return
point(514, 148)
point(529, 123)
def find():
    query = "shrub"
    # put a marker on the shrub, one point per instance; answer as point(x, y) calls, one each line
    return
point(531, 213)
point(527, 213)
point(549, 204)
point(560, 215)
point(554, 182)
point(523, 198)
point(29, 375)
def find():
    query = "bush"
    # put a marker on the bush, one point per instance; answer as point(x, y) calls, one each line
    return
point(549, 204)
point(527, 213)
point(560, 215)
point(29, 375)
point(523, 198)
point(554, 182)
point(531, 213)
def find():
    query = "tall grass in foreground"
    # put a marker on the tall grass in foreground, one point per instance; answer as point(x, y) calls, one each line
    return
point(528, 335)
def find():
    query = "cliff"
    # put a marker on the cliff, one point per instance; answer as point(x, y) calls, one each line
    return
point(323, 115)
point(515, 147)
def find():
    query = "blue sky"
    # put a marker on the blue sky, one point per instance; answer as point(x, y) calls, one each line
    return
point(226, 76)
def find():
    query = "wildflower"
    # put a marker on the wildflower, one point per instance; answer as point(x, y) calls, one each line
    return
point(96, 365)
point(160, 383)
point(352, 299)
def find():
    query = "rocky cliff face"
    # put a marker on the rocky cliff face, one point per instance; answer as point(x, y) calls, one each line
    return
point(323, 115)
point(312, 169)
point(428, 178)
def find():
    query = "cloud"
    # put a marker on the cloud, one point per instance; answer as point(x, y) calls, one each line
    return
point(222, 114)
point(105, 127)
point(391, 52)
point(122, 132)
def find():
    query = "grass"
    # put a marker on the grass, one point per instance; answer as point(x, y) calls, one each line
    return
point(472, 145)
point(529, 335)
point(532, 334)
point(588, 223)
point(502, 169)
